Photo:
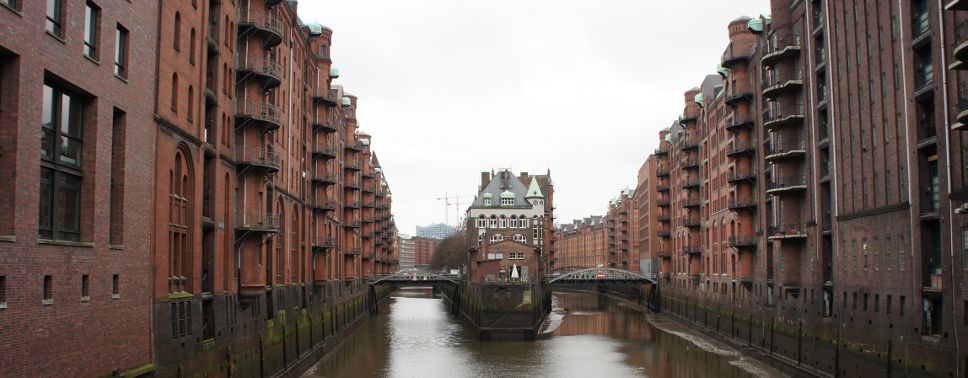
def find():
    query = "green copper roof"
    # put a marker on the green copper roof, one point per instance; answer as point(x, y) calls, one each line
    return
point(487, 195)
point(533, 190)
point(507, 194)
point(347, 102)
point(722, 71)
point(315, 28)
point(699, 99)
point(365, 142)
point(333, 72)
point(755, 25)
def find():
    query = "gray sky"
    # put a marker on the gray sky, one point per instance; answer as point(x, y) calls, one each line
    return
point(450, 88)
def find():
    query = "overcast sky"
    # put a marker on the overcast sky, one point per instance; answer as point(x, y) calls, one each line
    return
point(450, 88)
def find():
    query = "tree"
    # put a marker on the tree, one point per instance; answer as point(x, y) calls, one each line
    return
point(451, 253)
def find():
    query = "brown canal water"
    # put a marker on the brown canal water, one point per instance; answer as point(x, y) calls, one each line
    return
point(587, 335)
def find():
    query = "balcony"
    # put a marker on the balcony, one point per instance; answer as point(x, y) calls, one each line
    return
point(690, 144)
point(786, 184)
point(743, 241)
point(324, 177)
point(739, 148)
point(663, 218)
point(779, 49)
point(734, 55)
point(692, 223)
point(664, 253)
point(736, 122)
point(743, 203)
point(741, 174)
point(269, 72)
point(787, 231)
point(324, 150)
point(780, 150)
point(665, 234)
point(962, 107)
point(780, 116)
point(689, 163)
point(689, 203)
point(322, 204)
point(737, 95)
point(355, 146)
point(258, 158)
point(324, 125)
point(688, 118)
point(351, 165)
point(660, 152)
point(692, 183)
point(323, 242)
point(691, 249)
point(662, 172)
point(355, 251)
point(327, 98)
point(352, 204)
point(956, 5)
point(662, 203)
point(351, 184)
point(256, 222)
point(264, 115)
point(253, 23)
point(352, 224)
point(783, 83)
point(662, 188)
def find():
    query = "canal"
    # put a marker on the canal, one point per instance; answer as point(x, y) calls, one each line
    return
point(587, 335)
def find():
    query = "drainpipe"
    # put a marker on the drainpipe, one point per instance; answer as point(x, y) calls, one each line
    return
point(947, 163)
point(907, 148)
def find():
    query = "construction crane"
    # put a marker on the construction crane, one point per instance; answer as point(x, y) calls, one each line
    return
point(455, 201)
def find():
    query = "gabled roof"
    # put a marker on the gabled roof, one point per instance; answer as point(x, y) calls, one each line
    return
point(533, 190)
point(504, 184)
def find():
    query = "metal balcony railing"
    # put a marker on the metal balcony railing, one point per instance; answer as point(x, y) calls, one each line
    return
point(320, 241)
point(742, 241)
point(739, 121)
point(258, 65)
point(788, 230)
point(257, 221)
point(691, 249)
point(258, 110)
point(779, 113)
point(735, 54)
point(253, 18)
point(256, 156)
point(741, 174)
point(785, 147)
point(778, 45)
point(787, 182)
point(743, 202)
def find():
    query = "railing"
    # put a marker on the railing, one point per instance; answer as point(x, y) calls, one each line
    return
point(326, 203)
point(260, 110)
point(689, 162)
point(661, 152)
point(257, 220)
point(732, 53)
point(324, 241)
point(689, 143)
point(744, 240)
point(257, 156)
point(740, 147)
point(788, 229)
point(737, 121)
point(784, 147)
point(663, 218)
point(783, 182)
point(923, 76)
point(961, 34)
point(962, 97)
point(260, 20)
point(690, 202)
point(351, 165)
point(742, 201)
point(691, 183)
point(324, 148)
point(778, 79)
point(740, 174)
point(258, 65)
point(691, 249)
point(920, 23)
point(662, 172)
point(662, 188)
point(354, 146)
point(776, 45)
point(694, 222)
point(784, 111)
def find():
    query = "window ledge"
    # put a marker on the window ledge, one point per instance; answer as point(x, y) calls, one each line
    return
point(180, 295)
point(116, 247)
point(57, 37)
point(86, 299)
point(92, 59)
point(122, 78)
point(12, 9)
point(3, 305)
point(8, 238)
point(115, 296)
point(47, 302)
point(65, 243)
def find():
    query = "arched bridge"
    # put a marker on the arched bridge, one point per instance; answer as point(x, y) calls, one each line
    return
point(592, 276)
point(414, 277)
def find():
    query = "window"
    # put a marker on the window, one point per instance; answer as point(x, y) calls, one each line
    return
point(60, 172)
point(487, 202)
point(493, 222)
point(900, 254)
point(964, 248)
point(504, 222)
point(174, 92)
point(877, 303)
point(890, 304)
point(191, 47)
point(181, 318)
point(55, 17)
point(48, 291)
point(177, 32)
point(507, 201)
point(12, 4)
point(900, 309)
point(115, 289)
point(85, 293)
point(121, 52)
point(513, 223)
point(179, 249)
point(116, 218)
point(523, 223)
point(92, 18)
point(3, 292)
point(191, 103)
point(865, 301)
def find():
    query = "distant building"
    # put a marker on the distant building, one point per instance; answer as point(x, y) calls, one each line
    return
point(423, 251)
point(407, 251)
point(436, 231)
point(581, 244)
point(509, 226)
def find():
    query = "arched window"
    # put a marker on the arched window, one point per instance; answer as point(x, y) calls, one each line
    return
point(513, 223)
point(481, 221)
point(523, 223)
point(191, 46)
point(180, 259)
point(177, 34)
point(493, 222)
point(228, 30)
point(504, 222)
point(191, 103)
point(174, 92)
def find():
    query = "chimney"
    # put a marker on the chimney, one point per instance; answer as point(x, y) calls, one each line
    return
point(485, 179)
point(524, 177)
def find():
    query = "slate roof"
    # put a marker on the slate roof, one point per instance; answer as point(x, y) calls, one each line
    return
point(496, 186)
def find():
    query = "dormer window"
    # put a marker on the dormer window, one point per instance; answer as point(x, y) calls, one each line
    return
point(487, 202)
point(507, 201)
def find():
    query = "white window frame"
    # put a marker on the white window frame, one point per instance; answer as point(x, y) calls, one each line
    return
point(487, 202)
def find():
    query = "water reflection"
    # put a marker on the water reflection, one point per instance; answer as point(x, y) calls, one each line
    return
point(588, 335)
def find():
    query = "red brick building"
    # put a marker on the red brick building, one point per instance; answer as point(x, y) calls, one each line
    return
point(197, 182)
point(815, 188)
point(621, 221)
point(423, 251)
point(77, 158)
point(581, 244)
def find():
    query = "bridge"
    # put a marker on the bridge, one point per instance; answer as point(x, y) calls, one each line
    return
point(597, 276)
point(414, 277)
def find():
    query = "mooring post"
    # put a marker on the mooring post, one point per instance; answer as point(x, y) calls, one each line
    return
point(374, 304)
